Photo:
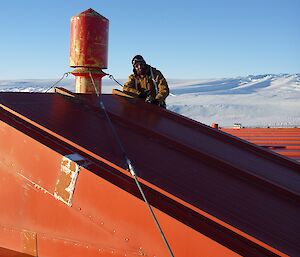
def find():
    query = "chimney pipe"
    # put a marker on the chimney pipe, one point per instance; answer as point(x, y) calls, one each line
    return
point(88, 50)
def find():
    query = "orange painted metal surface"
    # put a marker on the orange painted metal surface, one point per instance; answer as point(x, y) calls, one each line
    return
point(284, 141)
point(88, 49)
point(89, 40)
point(213, 194)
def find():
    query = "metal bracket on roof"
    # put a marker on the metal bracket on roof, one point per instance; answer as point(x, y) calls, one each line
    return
point(63, 91)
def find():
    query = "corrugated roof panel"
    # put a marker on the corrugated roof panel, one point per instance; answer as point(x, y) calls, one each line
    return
point(284, 141)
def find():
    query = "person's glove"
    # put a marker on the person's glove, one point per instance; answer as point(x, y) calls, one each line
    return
point(155, 101)
point(144, 94)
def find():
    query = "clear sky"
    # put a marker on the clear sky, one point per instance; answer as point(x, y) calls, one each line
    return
point(184, 39)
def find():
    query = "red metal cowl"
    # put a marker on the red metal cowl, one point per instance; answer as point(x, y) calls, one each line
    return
point(89, 40)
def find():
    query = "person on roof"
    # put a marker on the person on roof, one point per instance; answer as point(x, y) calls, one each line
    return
point(147, 83)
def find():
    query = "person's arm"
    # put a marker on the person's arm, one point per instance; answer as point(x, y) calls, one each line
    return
point(163, 88)
point(129, 86)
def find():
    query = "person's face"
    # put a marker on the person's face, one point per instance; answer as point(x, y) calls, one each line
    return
point(140, 68)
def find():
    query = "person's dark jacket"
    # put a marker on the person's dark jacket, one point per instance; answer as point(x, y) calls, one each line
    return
point(144, 85)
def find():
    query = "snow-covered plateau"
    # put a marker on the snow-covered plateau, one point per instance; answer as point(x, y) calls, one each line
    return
point(252, 101)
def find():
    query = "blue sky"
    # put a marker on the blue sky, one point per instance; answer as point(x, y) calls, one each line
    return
point(184, 39)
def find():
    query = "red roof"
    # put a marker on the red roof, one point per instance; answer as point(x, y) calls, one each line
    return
point(208, 188)
point(284, 141)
